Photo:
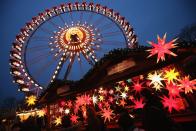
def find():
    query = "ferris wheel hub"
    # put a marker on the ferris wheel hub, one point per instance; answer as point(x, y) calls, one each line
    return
point(75, 35)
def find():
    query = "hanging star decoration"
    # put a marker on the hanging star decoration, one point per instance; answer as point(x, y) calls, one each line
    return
point(76, 109)
point(123, 95)
point(80, 101)
point(95, 100)
point(69, 104)
point(171, 75)
point(87, 99)
point(122, 103)
point(58, 121)
point(111, 91)
point(111, 99)
point(30, 100)
point(137, 86)
point(170, 103)
point(41, 113)
point(74, 118)
point(61, 110)
point(187, 84)
point(101, 98)
point(67, 111)
point(126, 88)
point(155, 80)
point(173, 89)
point(161, 48)
point(107, 114)
point(117, 88)
point(138, 103)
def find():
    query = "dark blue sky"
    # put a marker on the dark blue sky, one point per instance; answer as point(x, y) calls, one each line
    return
point(148, 18)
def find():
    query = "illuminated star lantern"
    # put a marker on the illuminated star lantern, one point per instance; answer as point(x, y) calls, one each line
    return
point(138, 103)
point(187, 84)
point(155, 80)
point(123, 95)
point(61, 110)
point(137, 86)
point(30, 100)
point(74, 118)
point(41, 113)
point(94, 98)
point(106, 104)
point(117, 88)
point(58, 121)
point(87, 99)
point(122, 103)
point(69, 104)
point(101, 98)
point(171, 75)
point(170, 103)
point(162, 48)
point(111, 99)
point(111, 91)
point(126, 88)
point(107, 114)
point(67, 111)
point(173, 89)
point(76, 108)
point(80, 101)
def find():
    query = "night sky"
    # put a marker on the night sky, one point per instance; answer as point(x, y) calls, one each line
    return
point(148, 18)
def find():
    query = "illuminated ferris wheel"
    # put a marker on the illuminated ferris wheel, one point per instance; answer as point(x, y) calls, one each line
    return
point(64, 42)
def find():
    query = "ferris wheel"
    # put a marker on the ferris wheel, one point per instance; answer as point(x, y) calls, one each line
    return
point(64, 42)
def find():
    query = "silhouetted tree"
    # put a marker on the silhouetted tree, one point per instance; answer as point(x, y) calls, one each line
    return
point(188, 33)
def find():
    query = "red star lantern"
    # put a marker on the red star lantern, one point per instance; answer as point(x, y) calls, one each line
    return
point(173, 89)
point(187, 84)
point(107, 114)
point(137, 86)
point(74, 118)
point(162, 48)
point(138, 103)
point(170, 103)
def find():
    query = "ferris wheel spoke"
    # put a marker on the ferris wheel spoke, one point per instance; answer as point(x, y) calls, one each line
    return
point(53, 24)
point(40, 38)
point(90, 17)
point(46, 31)
point(87, 58)
point(36, 48)
point(81, 68)
point(71, 16)
point(37, 58)
point(106, 26)
point(81, 16)
point(69, 67)
point(98, 21)
point(61, 18)
point(112, 42)
point(45, 66)
point(110, 34)
point(63, 60)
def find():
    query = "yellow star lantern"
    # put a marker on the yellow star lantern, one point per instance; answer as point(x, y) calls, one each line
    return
point(58, 121)
point(171, 75)
point(126, 88)
point(30, 100)
point(41, 113)
point(101, 98)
